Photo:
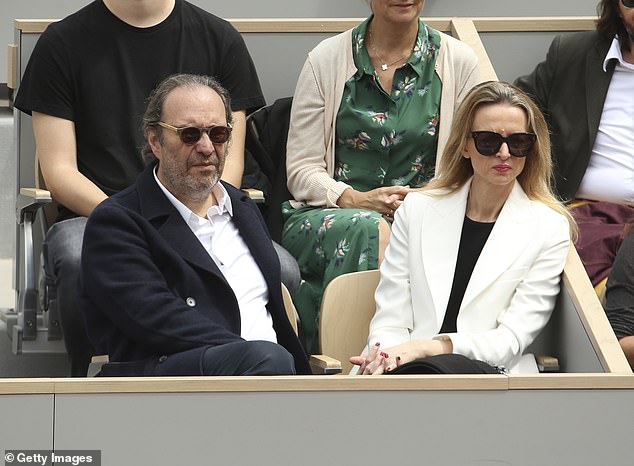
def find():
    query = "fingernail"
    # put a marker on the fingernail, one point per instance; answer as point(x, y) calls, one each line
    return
point(398, 360)
point(385, 355)
point(377, 344)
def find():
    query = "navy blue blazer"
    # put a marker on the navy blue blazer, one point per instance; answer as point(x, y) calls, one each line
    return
point(150, 291)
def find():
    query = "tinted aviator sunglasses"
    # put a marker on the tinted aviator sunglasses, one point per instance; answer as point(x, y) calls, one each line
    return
point(190, 135)
point(628, 3)
point(489, 142)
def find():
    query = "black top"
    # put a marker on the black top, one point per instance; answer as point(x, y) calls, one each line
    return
point(619, 306)
point(472, 239)
point(97, 71)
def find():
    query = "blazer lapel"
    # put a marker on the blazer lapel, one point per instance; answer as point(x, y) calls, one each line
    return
point(183, 240)
point(504, 244)
point(440, 238)
point(597, 84)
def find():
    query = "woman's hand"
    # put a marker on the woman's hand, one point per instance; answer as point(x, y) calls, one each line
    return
point(379, 361)
point(373, 358)
point(376, 361)
point(382, 200)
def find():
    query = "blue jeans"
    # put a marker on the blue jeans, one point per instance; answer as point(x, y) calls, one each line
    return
point(248, 358)
point(290, 274)
point(236, 358)
point(62, 257)
point(62, 260)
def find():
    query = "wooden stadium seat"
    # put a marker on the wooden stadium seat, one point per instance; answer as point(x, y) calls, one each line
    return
point(346, 310)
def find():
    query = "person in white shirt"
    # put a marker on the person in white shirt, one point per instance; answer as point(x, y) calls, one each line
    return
point(179, 275)
point(585, 89)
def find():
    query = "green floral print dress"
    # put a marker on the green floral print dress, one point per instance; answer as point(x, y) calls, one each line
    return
point(381, 140)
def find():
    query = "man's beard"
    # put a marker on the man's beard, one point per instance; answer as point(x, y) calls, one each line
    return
point(186, 186)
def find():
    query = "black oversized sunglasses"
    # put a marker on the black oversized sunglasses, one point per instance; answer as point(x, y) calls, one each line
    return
point(489, 142)
point(190, 135)
point(628, 3)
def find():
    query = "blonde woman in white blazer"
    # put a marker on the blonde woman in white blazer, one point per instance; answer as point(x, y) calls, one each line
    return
point(443, 290)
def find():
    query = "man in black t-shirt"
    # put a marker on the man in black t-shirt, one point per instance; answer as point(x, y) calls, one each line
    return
point(86, 85)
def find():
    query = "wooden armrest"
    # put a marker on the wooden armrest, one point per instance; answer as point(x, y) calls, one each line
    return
point(100, 359)
point(29, 202)
point(547, 363)
point(35, 193)
point(254, 194)
point(324, 365)
point(12, 70)
point(95, 364)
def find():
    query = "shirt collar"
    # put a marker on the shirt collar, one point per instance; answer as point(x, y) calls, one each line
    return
point(220, 193)
point(614, 53)
point(424, 49)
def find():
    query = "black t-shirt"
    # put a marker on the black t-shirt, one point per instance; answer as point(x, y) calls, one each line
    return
point(98, 71)
point(473, 238)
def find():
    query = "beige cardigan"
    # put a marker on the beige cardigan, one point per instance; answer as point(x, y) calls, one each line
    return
point(310, 156)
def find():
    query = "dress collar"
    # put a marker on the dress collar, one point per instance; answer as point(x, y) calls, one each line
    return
point(425, 49)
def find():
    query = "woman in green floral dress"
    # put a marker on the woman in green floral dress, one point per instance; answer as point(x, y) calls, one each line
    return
point(372, 108)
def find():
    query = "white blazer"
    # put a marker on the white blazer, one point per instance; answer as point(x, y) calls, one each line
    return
point(512, 290)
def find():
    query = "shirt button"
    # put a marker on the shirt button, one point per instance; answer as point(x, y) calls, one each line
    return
point(191, 302)
point(162, 359)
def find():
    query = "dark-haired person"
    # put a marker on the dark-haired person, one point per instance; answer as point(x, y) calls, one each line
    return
point(86, 86)
point(372, 108)
point(619, 306)
point(179, 275)
point(585, 88)
point(475, 258)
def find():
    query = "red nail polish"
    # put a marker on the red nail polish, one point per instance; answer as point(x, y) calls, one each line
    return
point(377, 344)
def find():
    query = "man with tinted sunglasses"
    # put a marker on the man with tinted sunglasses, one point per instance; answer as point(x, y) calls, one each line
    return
point(585, 87)
point(86, 84)
point(179, 275)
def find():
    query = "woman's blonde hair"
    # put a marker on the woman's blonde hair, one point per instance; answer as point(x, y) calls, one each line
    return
point(536, 178)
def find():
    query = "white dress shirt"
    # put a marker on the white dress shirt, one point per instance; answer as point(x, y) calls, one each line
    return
point(610, 172)
point(222, 241)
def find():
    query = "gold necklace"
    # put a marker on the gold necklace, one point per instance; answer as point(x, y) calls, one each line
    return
point(384, 65)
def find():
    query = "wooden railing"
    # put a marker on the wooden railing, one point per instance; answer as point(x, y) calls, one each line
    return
point(575, 280)
point(334, 25)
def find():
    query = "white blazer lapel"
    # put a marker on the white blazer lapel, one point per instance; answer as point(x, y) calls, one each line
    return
point(504, 245)
point(440, 238)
